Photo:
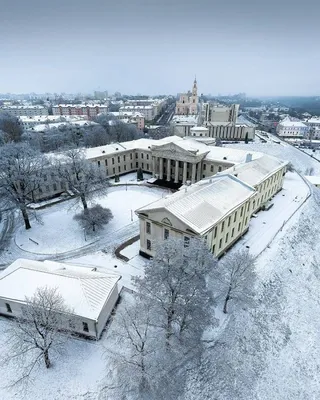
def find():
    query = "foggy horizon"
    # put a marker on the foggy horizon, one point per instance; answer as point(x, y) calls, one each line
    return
point(148, 47)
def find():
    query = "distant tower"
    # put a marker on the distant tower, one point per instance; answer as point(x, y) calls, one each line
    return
point(195, 88)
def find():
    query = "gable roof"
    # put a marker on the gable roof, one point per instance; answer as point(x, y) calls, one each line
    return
point(258, 170)
point(202, 205)
point(84, 290)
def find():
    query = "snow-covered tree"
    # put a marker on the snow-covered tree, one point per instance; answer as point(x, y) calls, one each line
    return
point(94, 217)
point(11, 127)
point(21, 173)
point(175, 282)
point(37, 333)
point(235, 276)
point(84, 178)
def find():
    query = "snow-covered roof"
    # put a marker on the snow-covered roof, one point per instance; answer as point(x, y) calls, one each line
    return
point(201, 205)
point(287, 122)
point(139, 144)
point(43, 127)
point(256, 171)
point(230, 155)
point(187, 119)
point(84, 290)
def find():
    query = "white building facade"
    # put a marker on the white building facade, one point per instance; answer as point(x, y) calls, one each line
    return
point(89, 295)
point(18, 111)
point(289, 128)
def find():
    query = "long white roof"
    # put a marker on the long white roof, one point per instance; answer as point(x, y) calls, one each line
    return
point(84, 291)
point(202, 205)
point(256, 171)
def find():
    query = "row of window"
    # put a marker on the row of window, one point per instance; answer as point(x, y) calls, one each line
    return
point(85, 326)
point(123, 157)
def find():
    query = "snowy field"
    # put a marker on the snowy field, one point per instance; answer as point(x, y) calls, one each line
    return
point(58, 232)
point(284, 151)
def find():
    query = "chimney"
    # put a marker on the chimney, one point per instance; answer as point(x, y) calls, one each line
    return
point(248, 157)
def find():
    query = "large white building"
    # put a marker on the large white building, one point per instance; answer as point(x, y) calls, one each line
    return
point(217, 209)
point(288, 128)
point(18, 111)
point(219, 113)
point(90, 295)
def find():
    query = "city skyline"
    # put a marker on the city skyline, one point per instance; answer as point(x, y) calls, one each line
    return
point(148, 47)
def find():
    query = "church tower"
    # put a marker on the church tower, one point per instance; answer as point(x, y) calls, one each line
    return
point(195, 88)
point(193, 101)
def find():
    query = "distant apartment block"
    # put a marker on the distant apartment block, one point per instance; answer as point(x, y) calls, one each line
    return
point(18, 111)
point(31, 122)
point(129, 117)
point(288, 128)
point(89, 110)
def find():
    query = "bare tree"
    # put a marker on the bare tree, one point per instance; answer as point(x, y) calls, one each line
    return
point(21, 173)
point(290, 167)
point(11, 127)
point(94, 217)
point(37, 332)
point(83, 178)
point(175, 280)
point(236, 275)
point(143, 366)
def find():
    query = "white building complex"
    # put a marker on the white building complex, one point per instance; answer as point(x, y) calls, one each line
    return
point(288, 128)
point(18, 111)
point(32, 121)
point(90, 295)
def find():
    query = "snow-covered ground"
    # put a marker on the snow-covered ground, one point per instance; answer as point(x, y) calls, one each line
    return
point(268, 352)
point(284, 151)
point(58, 232)
point(131, 179)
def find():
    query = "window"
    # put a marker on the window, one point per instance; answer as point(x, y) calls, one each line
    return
point(220, 243)
point(85, 327)
point(125, 167)
point(142, 165)
point(148, 227)
point(241, 212)
point(227, 237)
point(124, 158)
point(215, 232)
point(213, 248)
point(98, 163)
point(130, 156)
point(204, 167)
point(148, 244)
point(147, 156)
point(136, 155)
point(119, 168)
point(186, 241)
point(141, 155)
point(219, 169)
point(239, 226)
point(118, 159)
point(211, 168)
point(112, 160)
point(235, 216)
point(114, 170)
point(222, 226)
point(229, 220)
point(137, 164)
point(131, 166)
point(106, 162)
point(246, 221)
point(8, 308)
point(166, 233)
point(232, 232)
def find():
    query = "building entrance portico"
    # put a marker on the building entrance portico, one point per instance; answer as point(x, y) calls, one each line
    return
point(175, 164)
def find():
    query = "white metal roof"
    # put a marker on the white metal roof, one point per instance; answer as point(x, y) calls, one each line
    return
point(202, 205)
point(256, 171)
point(84, 291)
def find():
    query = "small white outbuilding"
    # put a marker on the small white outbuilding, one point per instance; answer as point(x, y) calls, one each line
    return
point(90, 294)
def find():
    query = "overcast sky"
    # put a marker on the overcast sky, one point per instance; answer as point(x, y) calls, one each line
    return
point(148, 46)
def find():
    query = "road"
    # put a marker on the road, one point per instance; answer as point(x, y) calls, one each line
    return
point(167, 115)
